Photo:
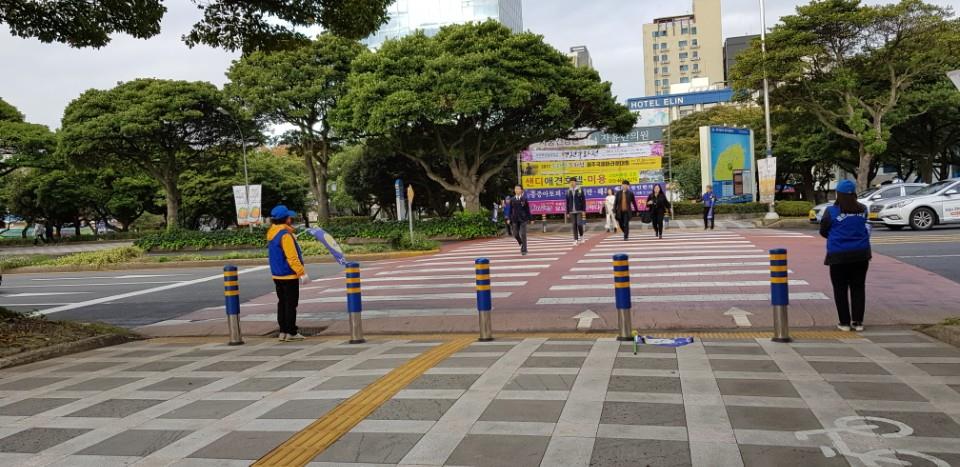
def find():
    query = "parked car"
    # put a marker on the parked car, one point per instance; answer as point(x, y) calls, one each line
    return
point(871, 196)
point(938, 203)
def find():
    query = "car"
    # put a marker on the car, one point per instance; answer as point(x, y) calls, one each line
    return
point(938, 203)
point(871, 196)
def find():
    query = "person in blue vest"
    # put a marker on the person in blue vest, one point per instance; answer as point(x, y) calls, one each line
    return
point(845, 227)
point(286, 266)
point(709, 199)
point(506, 214)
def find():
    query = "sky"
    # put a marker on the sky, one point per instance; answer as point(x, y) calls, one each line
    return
point(41, 79)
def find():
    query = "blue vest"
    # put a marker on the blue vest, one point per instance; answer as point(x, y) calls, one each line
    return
point(848, 232)
point(278, 260)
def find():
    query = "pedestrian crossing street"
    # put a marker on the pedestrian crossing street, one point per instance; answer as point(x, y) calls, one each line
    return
point(683, 267)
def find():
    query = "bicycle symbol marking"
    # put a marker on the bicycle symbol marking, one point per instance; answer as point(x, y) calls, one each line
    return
point(865, 426)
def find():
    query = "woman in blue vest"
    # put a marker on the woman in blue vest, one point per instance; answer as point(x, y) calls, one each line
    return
point(286, 265)
point(845, 227)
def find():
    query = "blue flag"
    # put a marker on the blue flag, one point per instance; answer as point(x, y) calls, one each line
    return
point(332, 246)
point(664, 341)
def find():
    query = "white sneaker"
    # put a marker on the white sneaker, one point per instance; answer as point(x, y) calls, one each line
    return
point(576, 242)
point(858, 327)
point(282, 337)
point(843, 327)
point(296, 337)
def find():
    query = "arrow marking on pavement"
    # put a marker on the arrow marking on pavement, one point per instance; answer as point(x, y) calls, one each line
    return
point(739, 317)
point(586, 319)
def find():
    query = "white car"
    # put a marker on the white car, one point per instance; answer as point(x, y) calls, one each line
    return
point(871, 196)
point(938, 203)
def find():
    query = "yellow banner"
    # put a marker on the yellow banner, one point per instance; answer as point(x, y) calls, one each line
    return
point(587, 172)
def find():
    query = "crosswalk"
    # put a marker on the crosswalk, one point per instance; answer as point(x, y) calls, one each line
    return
point(722, 267)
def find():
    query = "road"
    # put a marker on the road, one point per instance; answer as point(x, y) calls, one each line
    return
point(936, 250)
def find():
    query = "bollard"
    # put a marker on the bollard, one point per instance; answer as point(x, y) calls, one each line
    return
point(231, 298)
point(484, 299)
point(354, 305)
point(779, 295)
point(544, 220)
point(621, 287)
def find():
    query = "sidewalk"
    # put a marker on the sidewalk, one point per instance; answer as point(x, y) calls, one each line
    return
point(514, 402)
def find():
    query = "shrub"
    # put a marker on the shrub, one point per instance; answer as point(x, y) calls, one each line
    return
point(689, 208)
point(98, 258)
point(176, 240)
point(793, 208)
point(417, 244)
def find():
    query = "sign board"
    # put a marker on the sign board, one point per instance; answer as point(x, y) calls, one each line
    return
point(401, 204)
point(767, 171)
point(727, 162)
point(653, 117)
point(955, 77)
point(676, 100)
point(636, 135)
point(248, 211)
point(546, 174)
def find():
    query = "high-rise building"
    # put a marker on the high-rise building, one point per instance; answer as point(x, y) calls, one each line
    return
point(580, 56)
point(407, 16)
point(732, 47)
point(678, 49)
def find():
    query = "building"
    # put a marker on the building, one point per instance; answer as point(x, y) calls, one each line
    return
point(678, 49)
point(732, 47)
point(407, 16)
point(580, 56)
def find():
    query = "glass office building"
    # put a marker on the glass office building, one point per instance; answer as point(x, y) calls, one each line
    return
point(407, 16)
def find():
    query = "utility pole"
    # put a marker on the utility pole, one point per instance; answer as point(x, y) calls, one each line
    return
point(772, 213)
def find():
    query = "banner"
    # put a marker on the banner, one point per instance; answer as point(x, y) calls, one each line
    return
point(767, 171)
point(727, 161)
point(248, 211)
point(653, 117)
point(546, 174)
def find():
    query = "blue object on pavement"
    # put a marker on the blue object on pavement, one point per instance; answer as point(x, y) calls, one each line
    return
point(332, 246)
point(665, 341)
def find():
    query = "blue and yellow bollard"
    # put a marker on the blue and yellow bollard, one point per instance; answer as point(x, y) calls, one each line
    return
point(231, 298)
point(484, 299)
point(779, 295)
point(621, 288)
point(354, 304)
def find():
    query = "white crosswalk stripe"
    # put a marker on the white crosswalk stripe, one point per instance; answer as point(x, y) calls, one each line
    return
point(678, 298)
point(732, 272)
point(676, 258)
point(674, 285)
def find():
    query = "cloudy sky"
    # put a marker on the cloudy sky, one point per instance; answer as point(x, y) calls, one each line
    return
point(41, 79)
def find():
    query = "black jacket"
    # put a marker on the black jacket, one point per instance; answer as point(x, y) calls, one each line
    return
point(660, 204)
point(631, 202)
point(519, 209)
point(576, 201)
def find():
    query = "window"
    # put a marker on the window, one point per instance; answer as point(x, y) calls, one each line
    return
point(696, 67)
point(657, 83)
point(663, 46)
point(656, 58)
point(890, 193)
point(683, 55)
point(666, 81)
point(682, 44)
point(912, 189)
point(655, 46)
point(665, 70)
point(656, 33)
point(685, 30)
point(684, 80)
point(696, 54)
point(663, 58)
point(693, 30)
point(684, 67)
point(694, 43)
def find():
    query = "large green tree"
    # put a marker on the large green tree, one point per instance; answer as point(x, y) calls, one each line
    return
point(463, 103)
point(848, 64)
point(248, 25)
point(927, 142)
point(299, 87)
point(159, 126)
point(22, 144)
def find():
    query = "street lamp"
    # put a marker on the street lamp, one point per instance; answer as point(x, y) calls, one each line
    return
point(772, 213)
point(243, 150)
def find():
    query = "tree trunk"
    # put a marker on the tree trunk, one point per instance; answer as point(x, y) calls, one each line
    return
point(471, 200)
point(173, 202)
point(809, 185)
point(323, 200)
point(76, 228)
point(312, 177)
point(863, 169)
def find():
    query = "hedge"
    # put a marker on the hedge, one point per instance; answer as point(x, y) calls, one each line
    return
point(783, 208)
point(793, 208)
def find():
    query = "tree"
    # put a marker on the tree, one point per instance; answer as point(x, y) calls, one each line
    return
point(123, 197)
point(161, 127)
point(233, 25)
point(299, 87)
point(463, 103)
point(927, 142)
point(849, 64)
point(22, 144)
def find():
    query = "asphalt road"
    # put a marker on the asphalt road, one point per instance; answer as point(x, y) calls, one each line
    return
point(133, 298)
point(936, 250)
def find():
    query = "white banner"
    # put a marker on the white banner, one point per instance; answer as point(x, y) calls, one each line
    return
point(248, 211)
point(559, 155)
point(767, 170)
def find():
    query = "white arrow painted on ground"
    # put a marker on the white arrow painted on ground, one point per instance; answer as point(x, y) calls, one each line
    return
point(586, 319)
point(739, 317)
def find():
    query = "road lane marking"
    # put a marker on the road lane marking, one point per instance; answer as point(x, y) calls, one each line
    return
point(126, 276)
point(112, 298)
point(407, 298)
point(677, 266)
point(428, 286)
point(734, 272)
point(515, 253)
point(649, 251)
point(471, 268)
point(929, 256)
point(760, 297)
point(673, 285)
point(321, 434)
point(47, 286)
point(429, 263)
point(43, 294)
point(441, 276)
point(674, 258)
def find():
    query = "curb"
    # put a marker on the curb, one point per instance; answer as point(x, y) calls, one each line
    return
point(196, 264)
point(57, 350)
point(947, 334)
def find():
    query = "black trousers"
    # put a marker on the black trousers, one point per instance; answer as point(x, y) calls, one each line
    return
point(657, 219)
point(708, 218)
point(288, 297)
point(849, 279)
point(577, 226)
point(520, 233)
point(623, 219)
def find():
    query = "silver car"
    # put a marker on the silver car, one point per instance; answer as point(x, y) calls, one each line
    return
point(871, 196)
point(938, 203)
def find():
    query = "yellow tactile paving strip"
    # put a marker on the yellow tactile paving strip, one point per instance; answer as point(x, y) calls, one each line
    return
point(303, 446)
